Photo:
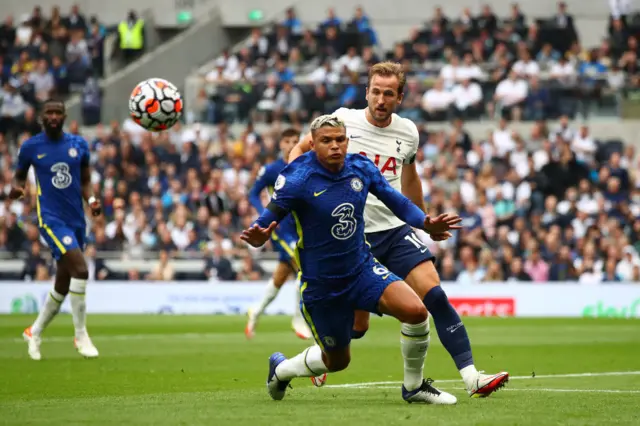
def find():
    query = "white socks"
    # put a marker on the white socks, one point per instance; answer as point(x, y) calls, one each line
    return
point(77, 289)
point(270, 293)
point(49, 311)
point(306, 364)
point(469, 376)
point(414, 344)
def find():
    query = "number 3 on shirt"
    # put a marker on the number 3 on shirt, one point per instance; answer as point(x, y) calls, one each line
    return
point(62, 178)
point(347, 224)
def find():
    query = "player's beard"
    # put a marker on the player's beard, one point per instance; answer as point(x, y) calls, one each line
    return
point(52, 130)
point(379, 115)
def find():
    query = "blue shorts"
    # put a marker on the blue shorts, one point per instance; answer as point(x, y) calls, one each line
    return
point(61, 238)
point(285, 245)
point(399, 249)
point(331, 318)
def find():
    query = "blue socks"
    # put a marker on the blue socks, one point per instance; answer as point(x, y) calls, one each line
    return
point(356, 334)
point(451, 330)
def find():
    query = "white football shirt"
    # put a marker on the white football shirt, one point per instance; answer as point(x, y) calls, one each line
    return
point(389, 148)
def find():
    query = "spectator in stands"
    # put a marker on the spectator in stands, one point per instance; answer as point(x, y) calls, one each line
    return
point(564, 20)
point(468, 99)
point(13, 107)
point(219, 267)
point(289, 102)
point(292, 23)
point(538, 101)
point(131, 37)
point(164, 270)
point(510, 96)
point(331, 21)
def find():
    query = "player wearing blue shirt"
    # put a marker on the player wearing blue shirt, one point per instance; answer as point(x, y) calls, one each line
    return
point(392, 142)
point(326, 191)
point(283, 239)
point(63, 179)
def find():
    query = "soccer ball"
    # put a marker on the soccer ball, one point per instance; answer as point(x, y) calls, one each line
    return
point(155, 104)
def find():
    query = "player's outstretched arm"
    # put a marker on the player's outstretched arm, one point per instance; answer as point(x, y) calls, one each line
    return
point(301, 147)
point(438, 228)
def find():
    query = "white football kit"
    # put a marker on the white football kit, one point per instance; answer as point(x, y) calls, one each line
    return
point(389, 148)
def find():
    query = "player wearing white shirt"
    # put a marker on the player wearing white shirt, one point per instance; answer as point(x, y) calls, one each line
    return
point(391, 142)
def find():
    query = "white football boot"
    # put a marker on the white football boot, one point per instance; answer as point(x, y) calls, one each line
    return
point(301, 328)
point(33, 344)
point(427, 394)
point(486, 384)
point(85, 347)
point(250, 329)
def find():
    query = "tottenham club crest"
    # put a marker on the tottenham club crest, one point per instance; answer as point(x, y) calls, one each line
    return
point(73, 153)
point(356, 184)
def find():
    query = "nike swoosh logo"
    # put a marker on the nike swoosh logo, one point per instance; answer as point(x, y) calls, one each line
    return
point(41, 156)
point(455, 328)
point(317, 194)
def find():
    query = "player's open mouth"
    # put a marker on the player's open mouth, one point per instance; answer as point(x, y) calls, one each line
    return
point(335, 156)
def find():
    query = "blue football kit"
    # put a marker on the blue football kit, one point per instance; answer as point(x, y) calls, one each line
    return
point(339, 273)
point(57, 165)
point(285, 237)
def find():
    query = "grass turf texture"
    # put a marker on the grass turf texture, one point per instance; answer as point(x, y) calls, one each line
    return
point(200, 370)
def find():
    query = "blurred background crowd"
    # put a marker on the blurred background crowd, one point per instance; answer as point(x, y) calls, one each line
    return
point(549, 204)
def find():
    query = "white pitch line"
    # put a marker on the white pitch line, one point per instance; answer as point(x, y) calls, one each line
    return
point(122, 337)
point(541, 376)
point(517, 390)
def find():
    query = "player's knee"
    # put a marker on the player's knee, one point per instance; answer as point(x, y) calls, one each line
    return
point(338, 362)
point(416, 313)
point(80, 271)
point(358, 334)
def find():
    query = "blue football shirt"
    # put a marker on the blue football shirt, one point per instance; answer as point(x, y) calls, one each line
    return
point(57, 165)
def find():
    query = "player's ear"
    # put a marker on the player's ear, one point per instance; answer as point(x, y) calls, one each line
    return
point(400, 98)
point(366, 93)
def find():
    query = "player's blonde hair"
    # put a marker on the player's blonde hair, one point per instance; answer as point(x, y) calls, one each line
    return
point(388, 69)
point(327, 120)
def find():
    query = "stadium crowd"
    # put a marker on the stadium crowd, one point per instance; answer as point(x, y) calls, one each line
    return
point(470, 66)
point(552, 205)
point(42, 56)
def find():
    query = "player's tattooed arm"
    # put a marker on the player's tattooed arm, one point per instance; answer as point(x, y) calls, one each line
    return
point(412, 186)
point(301, 147)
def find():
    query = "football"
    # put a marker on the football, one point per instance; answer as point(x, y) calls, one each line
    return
point(155, 104)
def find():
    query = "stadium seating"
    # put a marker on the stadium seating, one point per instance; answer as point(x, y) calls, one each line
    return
point(548, 204)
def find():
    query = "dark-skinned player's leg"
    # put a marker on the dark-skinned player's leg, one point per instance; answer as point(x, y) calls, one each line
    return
point(48, 312)
point(71, 278)
point(74, 265)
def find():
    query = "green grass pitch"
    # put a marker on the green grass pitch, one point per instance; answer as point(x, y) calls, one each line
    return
point(200, 370)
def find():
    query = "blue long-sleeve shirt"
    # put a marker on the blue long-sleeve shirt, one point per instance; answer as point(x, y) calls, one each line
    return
point(329, 210)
